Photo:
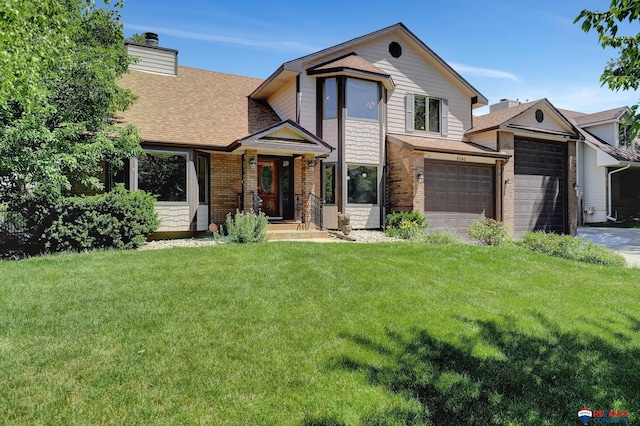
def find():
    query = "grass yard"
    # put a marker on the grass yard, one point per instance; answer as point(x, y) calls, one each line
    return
point(316, 334)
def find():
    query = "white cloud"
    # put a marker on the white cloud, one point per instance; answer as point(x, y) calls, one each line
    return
point(483, 72)
point(287, 46)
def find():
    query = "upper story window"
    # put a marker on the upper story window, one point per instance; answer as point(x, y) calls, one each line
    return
point(330, 99)
point(624, 133)
point(362, 99)
point(425, 114)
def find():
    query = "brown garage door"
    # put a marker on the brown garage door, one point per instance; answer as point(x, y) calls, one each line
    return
point(457, 194)
point(540, 186)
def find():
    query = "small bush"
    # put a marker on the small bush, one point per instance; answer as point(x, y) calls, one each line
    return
point(489, 231)
point(404, 225)
point(117, 219)
point(246, 227)
point(442, 237)
point(571, 248)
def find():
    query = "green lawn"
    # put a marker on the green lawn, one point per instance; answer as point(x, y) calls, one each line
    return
point(316, 334)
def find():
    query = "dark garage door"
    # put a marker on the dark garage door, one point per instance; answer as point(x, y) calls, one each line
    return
point(456, 194)
point(540, 186)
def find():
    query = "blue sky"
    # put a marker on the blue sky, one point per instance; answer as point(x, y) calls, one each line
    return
point(507, 49)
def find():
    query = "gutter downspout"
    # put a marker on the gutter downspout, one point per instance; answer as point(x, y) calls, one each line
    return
point(578, 208)
point(609, 217)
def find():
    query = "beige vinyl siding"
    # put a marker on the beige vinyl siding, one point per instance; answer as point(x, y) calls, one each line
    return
point(548, 123)
point(308, 102)
point(594, 185)
point(157, 61)
point(490, 140)
point(283, 101)
point(330, 136)
point(362, 142)
point(414, 72)
point(606, 132)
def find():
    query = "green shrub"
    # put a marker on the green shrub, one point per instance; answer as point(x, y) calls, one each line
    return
point(442, 237)
point(404, 225)
point(246, 227)
point(489, 231)
point(117, 219)
point(571, 248)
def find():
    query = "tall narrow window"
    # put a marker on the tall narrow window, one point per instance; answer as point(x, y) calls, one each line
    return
point(330, 183)
point(434, 115)
point(330, 99)
point(420, 108)
point(203, 179)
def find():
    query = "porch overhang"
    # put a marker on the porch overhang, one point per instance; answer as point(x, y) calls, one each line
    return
point(284, 138)
point(437, 149)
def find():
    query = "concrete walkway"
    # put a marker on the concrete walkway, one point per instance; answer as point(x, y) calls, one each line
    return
point(625, 241)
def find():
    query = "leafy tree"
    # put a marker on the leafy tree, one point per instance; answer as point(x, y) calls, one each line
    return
point(138, 38)
point(60, 62)
point(622, 72)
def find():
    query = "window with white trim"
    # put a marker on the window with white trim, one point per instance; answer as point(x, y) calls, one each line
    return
point(426, 114)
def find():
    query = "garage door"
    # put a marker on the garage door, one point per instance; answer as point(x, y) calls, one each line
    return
point(540, 186)
point(456, 194)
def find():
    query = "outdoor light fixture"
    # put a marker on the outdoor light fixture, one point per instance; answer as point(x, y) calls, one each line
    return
point(507, 182)
point(420, 177)
point(312, 166)
point(576, 186)
point(253, 163)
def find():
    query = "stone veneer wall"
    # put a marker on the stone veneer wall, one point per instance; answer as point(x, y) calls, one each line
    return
point(506, 144)
point(404, 192)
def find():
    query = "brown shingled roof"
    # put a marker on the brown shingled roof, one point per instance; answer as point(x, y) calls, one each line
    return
point(350, 61)
point(608, 115)
point(632, 155)
point(495, 119)
point(445, 146)
point(197, 108)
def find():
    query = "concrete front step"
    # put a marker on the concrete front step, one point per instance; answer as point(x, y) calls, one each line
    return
point(290, 226)
point(293, 234)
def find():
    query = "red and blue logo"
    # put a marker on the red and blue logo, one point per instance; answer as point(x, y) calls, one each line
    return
point(603, 416)
point(585, 415)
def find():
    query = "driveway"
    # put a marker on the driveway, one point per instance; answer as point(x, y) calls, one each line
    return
point(625, 241)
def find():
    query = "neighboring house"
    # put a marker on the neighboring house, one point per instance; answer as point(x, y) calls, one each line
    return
point(375, 124)
point(538, 191)
point(609, 166)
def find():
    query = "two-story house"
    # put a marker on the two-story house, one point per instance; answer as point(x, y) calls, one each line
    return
point(374, 124)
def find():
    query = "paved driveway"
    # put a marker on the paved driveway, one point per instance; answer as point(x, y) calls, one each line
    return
point(625, 241)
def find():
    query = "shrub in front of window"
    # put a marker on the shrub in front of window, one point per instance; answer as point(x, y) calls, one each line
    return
point(489, 231)
point(404, 225)
point(572, 248)
point(118, 219)
point(246, 227)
